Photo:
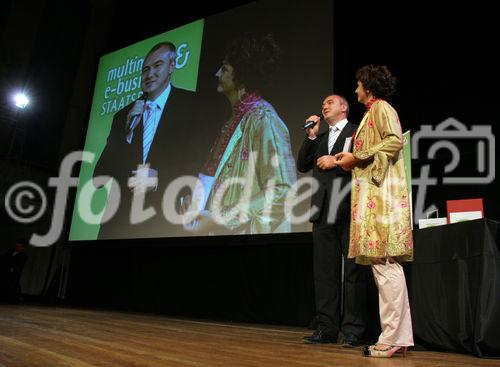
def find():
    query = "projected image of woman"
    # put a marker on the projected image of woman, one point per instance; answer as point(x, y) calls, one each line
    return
point(250, 168)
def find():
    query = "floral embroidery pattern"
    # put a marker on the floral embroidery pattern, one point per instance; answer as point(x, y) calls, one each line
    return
point(370, 103)
point(245, 104)
point(381, 217)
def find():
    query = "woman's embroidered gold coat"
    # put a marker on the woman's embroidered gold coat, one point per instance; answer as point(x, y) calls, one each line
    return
point(381, 217)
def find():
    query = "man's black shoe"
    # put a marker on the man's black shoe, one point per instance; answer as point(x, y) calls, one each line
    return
point(350, 341)
point(320, 337)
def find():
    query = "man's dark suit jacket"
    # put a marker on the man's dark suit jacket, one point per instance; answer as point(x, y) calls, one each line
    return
point(179, 147)
point(309, 152)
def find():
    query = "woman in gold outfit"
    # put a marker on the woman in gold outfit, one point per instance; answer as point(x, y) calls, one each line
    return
point(381, 229)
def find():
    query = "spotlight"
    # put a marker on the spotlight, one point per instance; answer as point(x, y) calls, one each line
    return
point(21, 100)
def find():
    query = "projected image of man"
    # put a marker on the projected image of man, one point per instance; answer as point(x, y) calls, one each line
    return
point(143, 148)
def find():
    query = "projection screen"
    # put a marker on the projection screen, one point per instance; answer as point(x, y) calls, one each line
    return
point(203, 140)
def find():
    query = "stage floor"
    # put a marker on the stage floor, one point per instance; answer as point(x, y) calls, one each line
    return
point(55, 336)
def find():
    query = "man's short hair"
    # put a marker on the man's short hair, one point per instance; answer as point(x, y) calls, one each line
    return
point(166, 44)
point(344, 101)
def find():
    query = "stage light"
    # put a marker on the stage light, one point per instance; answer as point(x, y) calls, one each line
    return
point(21, 100)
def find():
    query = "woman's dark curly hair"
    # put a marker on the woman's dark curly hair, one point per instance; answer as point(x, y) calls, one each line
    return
point(254, 60)
point(378, 80)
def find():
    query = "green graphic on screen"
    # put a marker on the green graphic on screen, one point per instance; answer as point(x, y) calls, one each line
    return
point(118, 85)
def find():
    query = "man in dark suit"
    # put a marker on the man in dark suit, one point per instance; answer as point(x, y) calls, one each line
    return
point(331, 218)
point(155, 132)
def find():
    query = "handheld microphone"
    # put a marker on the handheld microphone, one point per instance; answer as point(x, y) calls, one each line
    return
point(134, 121)
point(311, 123)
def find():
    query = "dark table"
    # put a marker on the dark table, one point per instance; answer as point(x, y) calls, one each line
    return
point(454, 287)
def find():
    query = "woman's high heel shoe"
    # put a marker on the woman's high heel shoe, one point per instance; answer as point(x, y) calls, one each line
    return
point(373, 351)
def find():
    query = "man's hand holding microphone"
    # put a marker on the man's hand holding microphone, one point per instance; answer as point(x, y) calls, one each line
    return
point(311, 127)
